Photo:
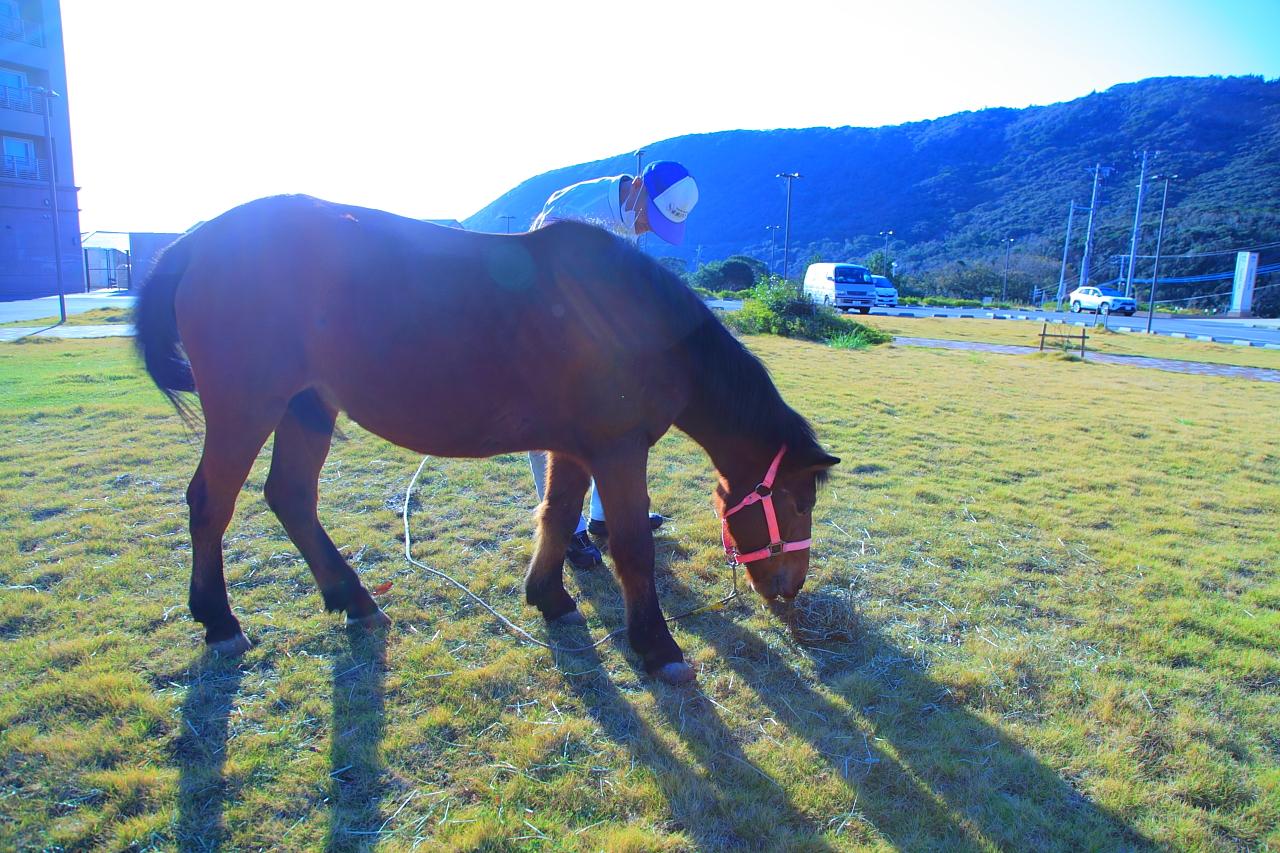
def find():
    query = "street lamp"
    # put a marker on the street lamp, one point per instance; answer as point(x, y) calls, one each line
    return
point(773, 245)
point(786, 234)
point(507, 219)
point(886, 235)
point(1155, 270)
point(48, 95)
point(1004, 285)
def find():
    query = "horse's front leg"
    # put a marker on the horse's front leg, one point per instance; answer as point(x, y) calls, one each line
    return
point(620, 477)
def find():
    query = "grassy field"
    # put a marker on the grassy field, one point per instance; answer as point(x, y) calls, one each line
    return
point(1042, 615)
point(1027, 334)
point(92, 317)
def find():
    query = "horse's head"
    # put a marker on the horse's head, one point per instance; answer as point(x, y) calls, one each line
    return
point(768, 525)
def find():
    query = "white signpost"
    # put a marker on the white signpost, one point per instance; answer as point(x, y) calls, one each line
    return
point(1242, 288)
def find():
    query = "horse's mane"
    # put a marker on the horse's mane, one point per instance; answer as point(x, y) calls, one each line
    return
point(734, 383)
point(730, 380)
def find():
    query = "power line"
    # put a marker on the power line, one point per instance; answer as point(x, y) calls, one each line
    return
point(1192, 279)
point(1207, 254)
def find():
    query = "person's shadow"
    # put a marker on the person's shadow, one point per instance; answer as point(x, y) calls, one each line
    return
point(356, 777)
point(201, 752)
point(922, 774)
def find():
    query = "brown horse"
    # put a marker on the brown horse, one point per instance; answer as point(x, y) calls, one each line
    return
point(285, 311)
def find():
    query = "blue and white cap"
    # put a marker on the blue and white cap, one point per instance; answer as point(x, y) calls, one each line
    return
point(672, 194)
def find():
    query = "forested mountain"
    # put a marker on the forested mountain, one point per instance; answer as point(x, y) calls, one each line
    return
point(954, 188)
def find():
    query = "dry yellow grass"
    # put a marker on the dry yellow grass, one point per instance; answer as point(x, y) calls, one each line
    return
point(1042, 615)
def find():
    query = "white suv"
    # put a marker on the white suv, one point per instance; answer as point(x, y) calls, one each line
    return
point(1104, 300)
point(886, 293)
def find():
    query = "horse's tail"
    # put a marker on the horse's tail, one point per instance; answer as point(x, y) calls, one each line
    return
point(156, 327)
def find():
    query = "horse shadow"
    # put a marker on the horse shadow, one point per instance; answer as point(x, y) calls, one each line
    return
point(932, 775)
point(705, 805)
point(201, 752)
point(357, 777)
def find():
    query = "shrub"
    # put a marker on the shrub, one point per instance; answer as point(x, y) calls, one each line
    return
point(858, 337)
point(780, 308)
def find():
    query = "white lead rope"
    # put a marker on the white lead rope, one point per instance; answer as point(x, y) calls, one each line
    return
point(514, 628)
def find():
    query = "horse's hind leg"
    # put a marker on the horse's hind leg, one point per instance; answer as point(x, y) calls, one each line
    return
point(302, 443)
point(557, 516)
point(231, 443)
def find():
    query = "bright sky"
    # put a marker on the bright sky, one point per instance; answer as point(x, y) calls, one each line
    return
point(181, 109)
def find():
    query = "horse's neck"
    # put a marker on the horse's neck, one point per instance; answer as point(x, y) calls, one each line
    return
point(740, 459)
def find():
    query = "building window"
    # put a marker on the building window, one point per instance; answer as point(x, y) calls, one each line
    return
point(10, 19)
point(18, 159)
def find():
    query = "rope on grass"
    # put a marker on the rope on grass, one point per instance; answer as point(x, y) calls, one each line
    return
point(511, 626)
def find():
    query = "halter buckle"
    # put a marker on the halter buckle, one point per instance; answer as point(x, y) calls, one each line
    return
point(764, 490)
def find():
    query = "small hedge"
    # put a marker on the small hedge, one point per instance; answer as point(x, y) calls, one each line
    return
point(780, 308)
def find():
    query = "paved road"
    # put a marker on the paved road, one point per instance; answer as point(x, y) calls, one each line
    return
point(1249, 332)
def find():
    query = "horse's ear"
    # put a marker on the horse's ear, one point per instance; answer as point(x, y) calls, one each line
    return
point(816, 459)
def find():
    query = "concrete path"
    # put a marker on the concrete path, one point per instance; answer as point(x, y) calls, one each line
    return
point(1201, 368)
point(107, 330)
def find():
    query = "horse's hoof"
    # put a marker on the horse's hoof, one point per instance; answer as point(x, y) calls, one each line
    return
point(571, 619)
point(375, 621)
point(675, 673)
point(231, 647)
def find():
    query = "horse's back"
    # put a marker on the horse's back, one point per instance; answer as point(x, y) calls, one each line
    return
point(439, 339)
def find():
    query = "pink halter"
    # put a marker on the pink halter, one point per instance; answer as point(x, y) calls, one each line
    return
point(762, 494)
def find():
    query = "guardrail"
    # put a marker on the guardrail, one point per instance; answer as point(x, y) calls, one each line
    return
point(23, 169)
point(27, 32)
point(23, 99)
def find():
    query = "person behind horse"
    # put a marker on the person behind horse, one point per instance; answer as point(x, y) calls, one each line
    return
point(658, 201)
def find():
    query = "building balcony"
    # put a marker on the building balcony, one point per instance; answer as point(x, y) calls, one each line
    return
point(23, 169)
point(26, 32)
point(24, 99)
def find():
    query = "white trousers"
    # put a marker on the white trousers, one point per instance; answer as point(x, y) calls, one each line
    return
point(538, 464)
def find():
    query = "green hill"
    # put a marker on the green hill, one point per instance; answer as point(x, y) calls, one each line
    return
point(951, 189)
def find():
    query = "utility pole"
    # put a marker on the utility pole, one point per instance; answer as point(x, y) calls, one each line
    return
point(786, 238)
point(639, 170)
point(773, 245)
point(1099, 172)
point(1004, 286)
point(48, 95)
point(1155, 270)
point(1137, 224)
point(508, 221)
point(1066, 248)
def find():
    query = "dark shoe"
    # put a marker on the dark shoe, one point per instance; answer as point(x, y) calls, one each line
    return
point(599, 528)
point(582, 552)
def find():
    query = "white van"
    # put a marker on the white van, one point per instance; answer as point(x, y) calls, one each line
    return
point(842, 286)
point(886, 293)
